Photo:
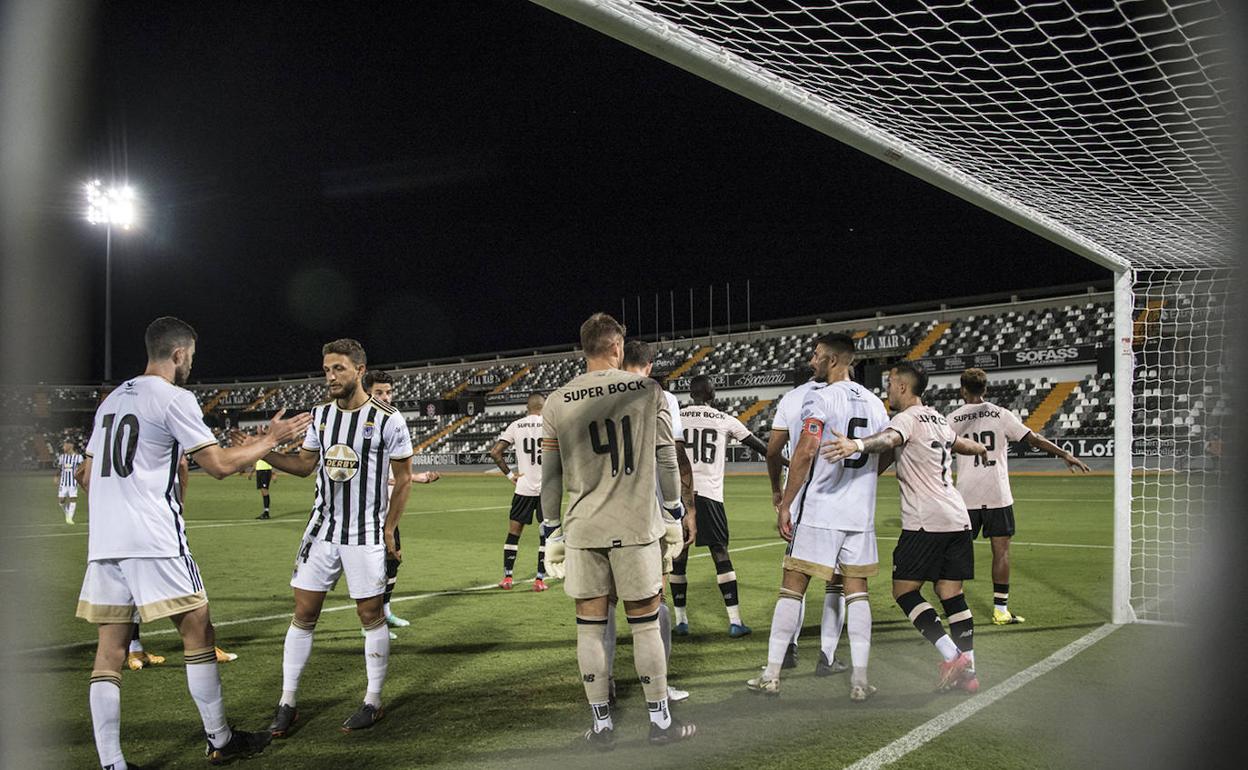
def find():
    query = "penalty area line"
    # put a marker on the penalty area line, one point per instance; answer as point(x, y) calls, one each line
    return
point(938, 725)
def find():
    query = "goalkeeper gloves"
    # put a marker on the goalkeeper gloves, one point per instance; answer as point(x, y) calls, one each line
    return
point(673, 542)
point(555, 551)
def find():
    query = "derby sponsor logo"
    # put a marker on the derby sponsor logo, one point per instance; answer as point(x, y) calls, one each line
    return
point(341, 463)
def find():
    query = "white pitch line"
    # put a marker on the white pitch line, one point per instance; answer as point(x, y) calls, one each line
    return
point(938, 725)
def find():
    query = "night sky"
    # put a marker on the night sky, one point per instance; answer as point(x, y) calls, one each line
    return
point(444, 178)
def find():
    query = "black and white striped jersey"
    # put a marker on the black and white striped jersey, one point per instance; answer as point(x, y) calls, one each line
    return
point(68, 463)
point(356, 447)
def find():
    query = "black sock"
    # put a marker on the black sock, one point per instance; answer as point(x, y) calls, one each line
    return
point(266, 504)
point(678, 582)
point(511, 549)
point(1000, 595)
point(392, 577)
point(961, 624)
point(727, 580)
point(922, 615)
point(541, 554)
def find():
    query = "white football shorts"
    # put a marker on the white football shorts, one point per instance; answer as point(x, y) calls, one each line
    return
point(319, 564)
point(822, 553)
point(62, 492)
point(156, 587)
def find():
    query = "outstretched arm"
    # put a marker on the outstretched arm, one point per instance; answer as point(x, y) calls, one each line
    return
point(755, 443)
point(220, 462)
point(841, 447)
point(1073, 463)
point(965, 446)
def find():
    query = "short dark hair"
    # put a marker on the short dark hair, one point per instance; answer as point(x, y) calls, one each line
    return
point(917, 376)
point(637, 354)
point(701, 389)
point(535, 400)
point(346, 347)
point(836, 342)
point(597, 333)
point(165, 334)
point(975, 381)
point(376, 376)
point(802, 374)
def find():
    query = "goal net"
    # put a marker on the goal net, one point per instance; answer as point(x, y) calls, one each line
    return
point(1102, 125)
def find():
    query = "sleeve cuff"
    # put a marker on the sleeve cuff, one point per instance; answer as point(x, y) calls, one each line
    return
point(204, 445)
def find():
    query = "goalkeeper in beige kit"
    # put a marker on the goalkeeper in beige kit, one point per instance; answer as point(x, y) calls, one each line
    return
point(605, 435)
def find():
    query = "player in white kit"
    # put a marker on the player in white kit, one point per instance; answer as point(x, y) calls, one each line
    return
point(706, 434)
point(138, 557)
point(935, 544)
point(827, 514)
point(525, 434)
point(786, 427)
point(352, 443)
point(67, 463)
point(984, 483)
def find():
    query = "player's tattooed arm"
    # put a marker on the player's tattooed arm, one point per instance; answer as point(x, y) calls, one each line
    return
point(496, 454)
point(965, 446)
point(840, 447)
point(1073, 463)
point(686, 475)
point(887, 458)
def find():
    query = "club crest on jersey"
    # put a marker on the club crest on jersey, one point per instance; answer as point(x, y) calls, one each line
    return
point(341, 463)
point(368, 430)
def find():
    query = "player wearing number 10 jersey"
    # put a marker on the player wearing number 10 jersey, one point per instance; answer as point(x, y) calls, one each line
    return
point(138, 558)
point(525, 435)
point(984, 483)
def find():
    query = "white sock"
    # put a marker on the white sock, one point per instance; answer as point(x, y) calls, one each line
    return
point(971, 654)
point(608, 640)
point(682, 615)
point(832, 622)
point(801, 621)
point(105, 697)
point(783, 623)
point(858, 623)
point(376, 661)
point(70, 508)
point(665, 630)
point(602, 717)
point(734, 615)
point(659, 713)
point(136, 645)
point(948, 650)
point(295, 654)
point(204, 683)
point(387, 610)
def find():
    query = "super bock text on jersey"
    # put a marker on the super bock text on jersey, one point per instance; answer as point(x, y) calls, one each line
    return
point(356, 447)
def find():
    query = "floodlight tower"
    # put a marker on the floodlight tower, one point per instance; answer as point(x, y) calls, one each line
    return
point(113, 206)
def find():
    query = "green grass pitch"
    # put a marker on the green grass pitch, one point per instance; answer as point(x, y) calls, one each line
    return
point(488, 678)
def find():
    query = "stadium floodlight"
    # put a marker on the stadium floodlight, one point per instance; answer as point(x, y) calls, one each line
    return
point(1101, 125)
point(112, 206)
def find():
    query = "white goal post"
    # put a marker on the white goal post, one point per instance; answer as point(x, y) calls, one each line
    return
point(1101, 125)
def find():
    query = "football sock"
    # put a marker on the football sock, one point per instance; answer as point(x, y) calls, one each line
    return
point(924, 618)
point(609, 639)
point(858, 624)
point(511, 549)
point(541, 554)
point(376, 659)
point(136, 645)
point(665, 630)
point(783, 623)
point(801, 621)
point(392, 577)
point(1001, 597)
point(295, 654)
point(679, 584)
point(204, 682)
point(591, 658)
point(648, 658)
point(602, 716)
point(266, 504)
point(961, 624)
point(659, 713)
point(70, 507)
point(105, 697)
point(832, 621)
point(727, 579)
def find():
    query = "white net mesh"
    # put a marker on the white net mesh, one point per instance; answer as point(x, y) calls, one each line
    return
point(1102, 124)
point(1109, 118)
point(1180, 415)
